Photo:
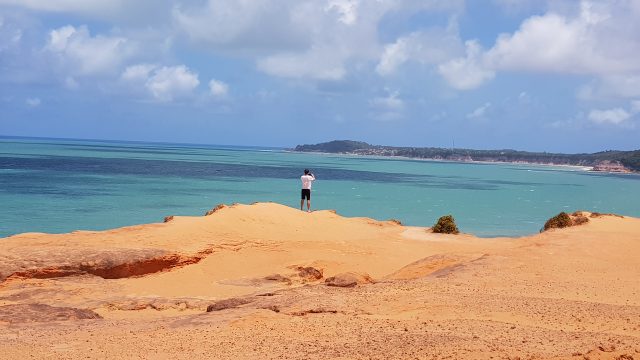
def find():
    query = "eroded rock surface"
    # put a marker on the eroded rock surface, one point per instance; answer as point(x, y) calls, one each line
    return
point(349, 279)
point(28, 313)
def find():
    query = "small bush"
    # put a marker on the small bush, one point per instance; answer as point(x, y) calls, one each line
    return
point(218, 207)
point(597, 214)
point(395, 221)
point(445, 225)
point(561, 220)
point(580, 219)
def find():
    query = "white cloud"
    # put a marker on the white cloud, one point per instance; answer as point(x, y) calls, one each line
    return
point(613, 86)
point(614, 116)
point(138, 73)
point(586, 44)
point(596, 39)
point(469, 72)
point(479, 112)
point(394, 55)
point(162, 83)
point(243, 25)
point(218, 89)
point(426, 47)
point(33, 102)
point(387, 108)
point(300, 39)
point(347, 10)
point(170, 83)
point(635, 106)
point(82, 54)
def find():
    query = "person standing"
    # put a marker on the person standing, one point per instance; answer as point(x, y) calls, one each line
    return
point(307, 179)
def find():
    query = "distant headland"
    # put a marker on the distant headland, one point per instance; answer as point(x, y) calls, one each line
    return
point(608, 161)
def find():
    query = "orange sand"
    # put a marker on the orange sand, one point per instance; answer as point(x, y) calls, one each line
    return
point(571, 293)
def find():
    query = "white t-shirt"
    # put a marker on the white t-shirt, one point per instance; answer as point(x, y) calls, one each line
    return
point(306, 181)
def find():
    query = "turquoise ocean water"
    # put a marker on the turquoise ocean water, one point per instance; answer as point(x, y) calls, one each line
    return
point(62, 185)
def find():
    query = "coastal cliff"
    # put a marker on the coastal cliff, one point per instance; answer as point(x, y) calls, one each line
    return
point(269, 281)
point(609, 161)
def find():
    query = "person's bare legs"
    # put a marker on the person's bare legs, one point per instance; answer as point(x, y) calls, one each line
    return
point(308, 205)
point(301, 204)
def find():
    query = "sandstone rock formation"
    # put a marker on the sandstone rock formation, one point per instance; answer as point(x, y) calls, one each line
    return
point(349, 279)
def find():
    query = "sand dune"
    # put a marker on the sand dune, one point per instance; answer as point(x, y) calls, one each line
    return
point(252, 281)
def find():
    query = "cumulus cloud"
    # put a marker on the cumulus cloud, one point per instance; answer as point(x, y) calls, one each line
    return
point(615, 116)
point(169, 83)
point(479, 112)
point(387, 108)
point(347, 10)
point(244, 25)
point(308, 39)
point(426, 47)
point(468, 72)
point(597, 40)
point(218, 89)
point(138, 73)
point(611, 86)
point(83, 54)
point(591, 43)
point(163, 83)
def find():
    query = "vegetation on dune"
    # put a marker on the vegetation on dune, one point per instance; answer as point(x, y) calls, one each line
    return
point(445, 225)
point(561, 220)
point(218, 207)
point(579, 218)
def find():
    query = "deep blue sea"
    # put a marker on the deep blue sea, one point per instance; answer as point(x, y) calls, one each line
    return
point(59, 186)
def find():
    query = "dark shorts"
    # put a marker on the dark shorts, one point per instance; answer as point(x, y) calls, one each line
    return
point(306, 193)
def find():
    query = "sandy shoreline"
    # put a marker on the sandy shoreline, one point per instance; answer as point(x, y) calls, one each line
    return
point(382, 157)
point(266, 271)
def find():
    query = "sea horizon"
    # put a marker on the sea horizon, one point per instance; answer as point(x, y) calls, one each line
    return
point(291, 147)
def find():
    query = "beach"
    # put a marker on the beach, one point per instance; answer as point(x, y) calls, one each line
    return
point(269, 281)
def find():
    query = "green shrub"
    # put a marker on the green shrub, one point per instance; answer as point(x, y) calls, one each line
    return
point(445, 225)
point(559, 221)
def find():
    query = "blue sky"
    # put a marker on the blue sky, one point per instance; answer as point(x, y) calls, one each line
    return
point(538, 75)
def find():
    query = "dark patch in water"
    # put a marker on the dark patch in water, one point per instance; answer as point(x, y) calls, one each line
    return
point(630, 176)
point(186, 169)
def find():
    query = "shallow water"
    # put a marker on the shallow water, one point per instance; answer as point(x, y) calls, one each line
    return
point(63, 185)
